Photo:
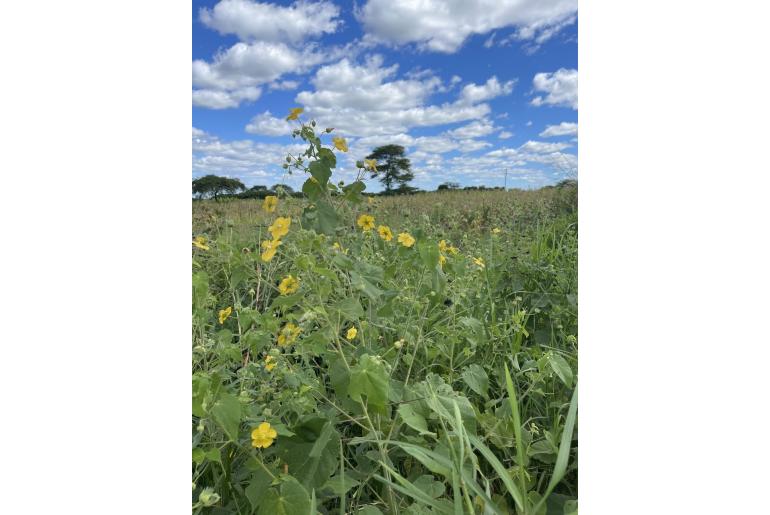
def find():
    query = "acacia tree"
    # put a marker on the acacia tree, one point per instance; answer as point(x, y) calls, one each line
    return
point(213, 186)
point(392, 168)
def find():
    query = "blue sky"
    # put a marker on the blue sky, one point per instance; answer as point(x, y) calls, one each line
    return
point(469, 87)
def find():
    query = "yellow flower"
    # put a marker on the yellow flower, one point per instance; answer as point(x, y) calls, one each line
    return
point(453, 250)
point(441, 260)
point(340, 143)
point(351, 334)
point(288, 285)
point(269, 363)
point(270, 248)
point(366, 222)
point(288, 334)
point(224, 314)
point(443, 246)
point(200, 242)
point(385, 232)
point(263, 436)
point(496, 230)
point(280, 227)
point(294, 113)
point(479, 262)
point(405, 239)
point(269, 204)
point(370, 164)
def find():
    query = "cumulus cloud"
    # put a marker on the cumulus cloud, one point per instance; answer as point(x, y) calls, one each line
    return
point(360, 100)
point(442, 26)
point(475, 129)
point(244, 159)
point(224, 99)
point(267, 125)
point(233, 75)
point(252, 21)
point(563, 129)
point(504, 135)
point(561, 88)
point(472, 93)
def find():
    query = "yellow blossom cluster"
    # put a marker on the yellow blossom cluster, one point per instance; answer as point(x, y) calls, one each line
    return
point(288, 285)
point(288, 334)
point(263, 436)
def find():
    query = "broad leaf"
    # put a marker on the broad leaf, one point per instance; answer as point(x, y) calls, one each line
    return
point(290, 498)
point(226, 412)
point(370, 378)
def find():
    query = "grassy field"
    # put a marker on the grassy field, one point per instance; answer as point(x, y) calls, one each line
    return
point(351, 373)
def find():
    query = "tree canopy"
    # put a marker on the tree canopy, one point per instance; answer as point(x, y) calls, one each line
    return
point(393, 168)
point(212, 186)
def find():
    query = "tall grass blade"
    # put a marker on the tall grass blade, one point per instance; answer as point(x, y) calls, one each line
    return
point(407, 488)
point(517, 434)
point(501, 471)
point(560, 468)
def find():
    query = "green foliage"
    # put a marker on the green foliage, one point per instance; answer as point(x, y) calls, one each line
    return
point(413, 380)
point(393, 168)
point(213, 186)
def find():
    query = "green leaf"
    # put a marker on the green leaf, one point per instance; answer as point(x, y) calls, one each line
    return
point(200, 387)
point(434, 461)
point(226, 412)
point(341, 485)
point(349, 308)
point(430, 486)
point(328, 220)
point(514, 403)
point(311, 453)
point(476, 378)
point(255, 492)
point(571, 507)
point(370, 378)
point(561, 368)
point(502, 472)
point(414, 419)
point(198, 455)
point(290, 498)
point(564, 447)
point(428, 253)
point(200, 281)
point(361, 284)
point(353, 191)
point(313, 190)
point(321, 171)
point(327, 157)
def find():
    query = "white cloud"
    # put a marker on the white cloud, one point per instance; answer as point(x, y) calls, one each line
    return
point(251, 64)
point(221, 99)
point(541, 147)
point(363, 100)
point(268, 125)
point(561, 87)
point(472, 94)
point(475, 129)
point(563, 129)
point(444, 26)
point(505, 135)
point(243, 159)
point(233, 75)
point(269, 22)
point(284, 84)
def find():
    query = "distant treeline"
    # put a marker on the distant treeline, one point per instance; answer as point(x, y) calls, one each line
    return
point(215, 187)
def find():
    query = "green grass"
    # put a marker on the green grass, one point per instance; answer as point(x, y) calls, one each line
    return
point(459, 392)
